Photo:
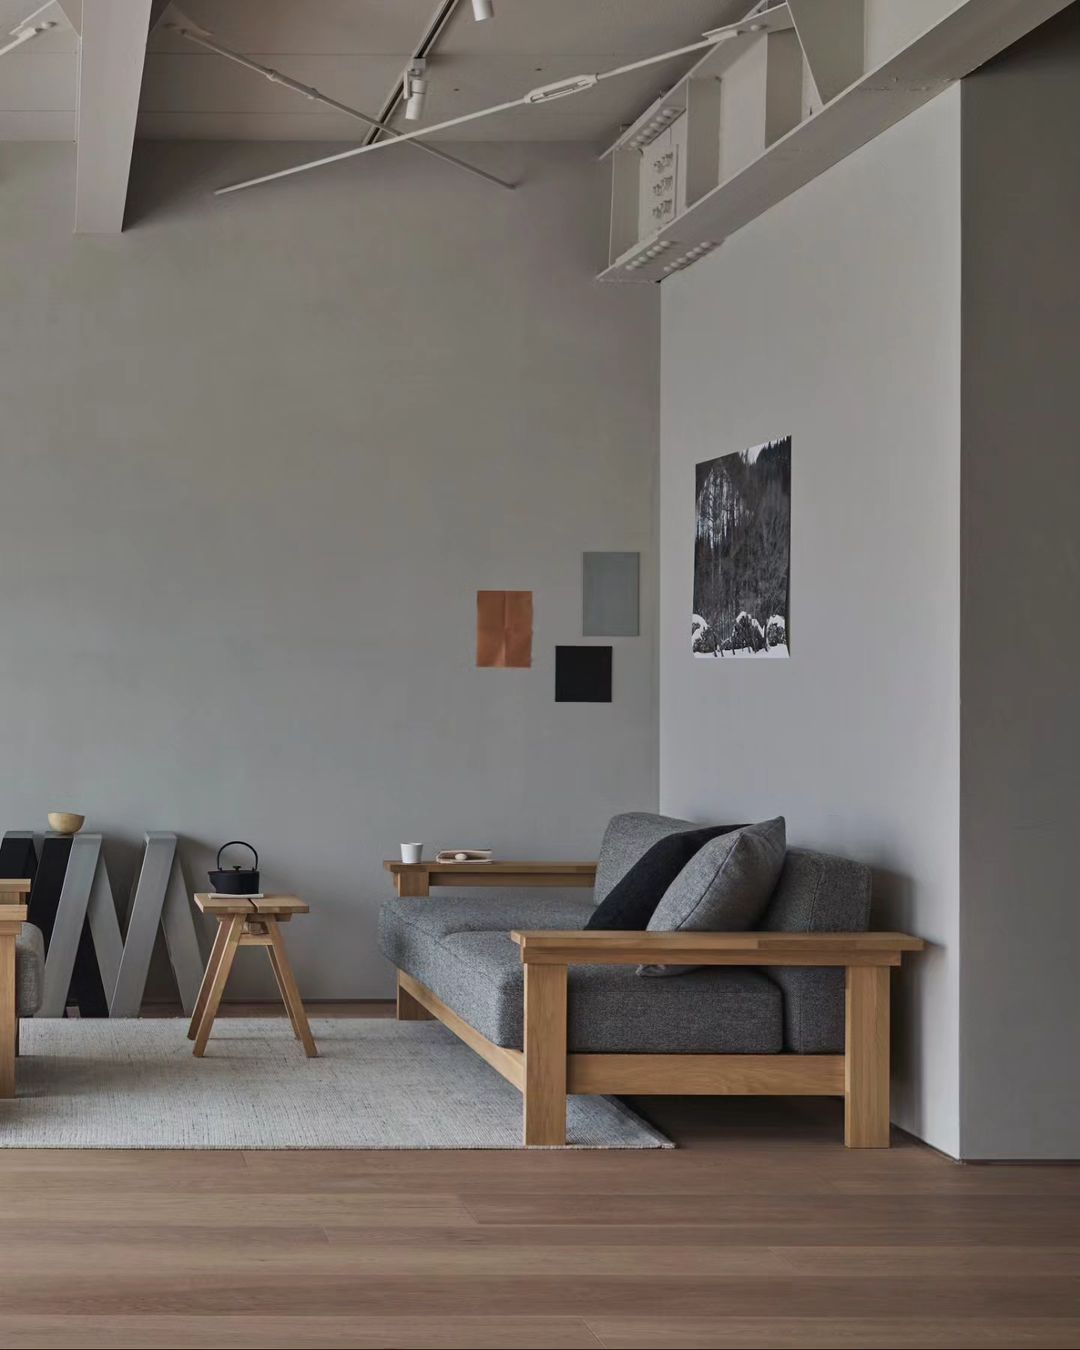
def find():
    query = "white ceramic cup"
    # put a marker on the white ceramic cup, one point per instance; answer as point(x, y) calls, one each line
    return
point(412, 853)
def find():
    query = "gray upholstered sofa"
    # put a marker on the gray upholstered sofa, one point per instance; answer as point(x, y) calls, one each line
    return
point(769, 1011)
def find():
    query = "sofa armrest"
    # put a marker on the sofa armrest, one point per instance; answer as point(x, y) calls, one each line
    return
point(604, 947)
point(13, 893)
point(416, 879)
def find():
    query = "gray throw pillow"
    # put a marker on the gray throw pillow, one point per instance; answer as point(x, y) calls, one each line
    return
point(724, 888)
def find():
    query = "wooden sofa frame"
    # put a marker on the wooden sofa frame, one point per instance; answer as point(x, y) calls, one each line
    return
point(544, 1072)
point(12, 917)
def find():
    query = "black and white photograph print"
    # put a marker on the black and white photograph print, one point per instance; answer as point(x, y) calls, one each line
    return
point(742, 553)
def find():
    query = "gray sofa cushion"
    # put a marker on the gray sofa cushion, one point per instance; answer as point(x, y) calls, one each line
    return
point(816, 893)
point(459, 949)
point(626, 839)
point(29, 970)
point(726, 885)
point(632, 901)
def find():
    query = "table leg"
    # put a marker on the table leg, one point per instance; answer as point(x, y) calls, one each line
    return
point(208, 978)
point(217, 984)
point(289, 991)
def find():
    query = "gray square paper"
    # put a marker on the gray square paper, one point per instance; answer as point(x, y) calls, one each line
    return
point(610, 585)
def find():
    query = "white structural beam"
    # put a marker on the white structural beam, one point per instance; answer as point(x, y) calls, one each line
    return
point(111, 56)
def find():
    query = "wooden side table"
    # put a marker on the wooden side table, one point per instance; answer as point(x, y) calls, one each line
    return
point(249, 923)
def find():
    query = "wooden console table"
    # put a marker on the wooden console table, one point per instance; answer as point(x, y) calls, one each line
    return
point(417, 878)
point(249, 923)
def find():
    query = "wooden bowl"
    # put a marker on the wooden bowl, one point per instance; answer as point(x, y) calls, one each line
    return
point(66, 822)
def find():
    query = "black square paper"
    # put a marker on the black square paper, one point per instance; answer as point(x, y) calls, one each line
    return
point(582, 674)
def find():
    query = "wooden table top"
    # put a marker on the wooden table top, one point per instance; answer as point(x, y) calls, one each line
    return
point(275, 905)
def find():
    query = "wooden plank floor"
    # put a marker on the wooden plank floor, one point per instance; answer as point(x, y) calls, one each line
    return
point(761, 1230)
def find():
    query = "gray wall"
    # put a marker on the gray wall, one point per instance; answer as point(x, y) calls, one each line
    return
point(1020, 744)
point(259, 455)
point(835, 318)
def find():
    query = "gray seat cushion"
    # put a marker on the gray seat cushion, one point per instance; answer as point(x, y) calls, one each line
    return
point(460, 950)
point(29, 970)
point(816, 893)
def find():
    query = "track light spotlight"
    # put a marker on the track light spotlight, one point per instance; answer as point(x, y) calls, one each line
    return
point(483, 9)
point(414, 89)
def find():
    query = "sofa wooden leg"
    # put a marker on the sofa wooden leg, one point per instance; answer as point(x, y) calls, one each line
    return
point(544, 1088)
point(866, 1057)
point(9, 1020)
point(410, 1009)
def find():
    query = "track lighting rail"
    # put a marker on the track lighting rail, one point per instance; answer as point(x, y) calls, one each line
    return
point(201, 38)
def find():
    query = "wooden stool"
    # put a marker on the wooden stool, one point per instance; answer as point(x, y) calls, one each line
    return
point(248, 923)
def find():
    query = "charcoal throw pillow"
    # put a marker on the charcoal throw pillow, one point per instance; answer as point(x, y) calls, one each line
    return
point(630, 903)
point(724, 888)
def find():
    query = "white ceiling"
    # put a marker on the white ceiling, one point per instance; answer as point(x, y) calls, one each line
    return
point(354, 50)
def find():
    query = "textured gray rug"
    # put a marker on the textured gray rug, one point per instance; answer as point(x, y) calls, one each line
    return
point(377, 1084)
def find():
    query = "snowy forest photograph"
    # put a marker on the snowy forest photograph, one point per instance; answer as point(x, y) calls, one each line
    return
point(742, 553)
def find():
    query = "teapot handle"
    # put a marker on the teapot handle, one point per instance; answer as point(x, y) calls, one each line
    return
point(242, 844)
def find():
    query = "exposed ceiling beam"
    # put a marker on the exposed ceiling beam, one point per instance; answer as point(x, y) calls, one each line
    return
point(111, 56)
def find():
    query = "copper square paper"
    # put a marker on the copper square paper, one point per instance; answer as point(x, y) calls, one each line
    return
point(504, 623)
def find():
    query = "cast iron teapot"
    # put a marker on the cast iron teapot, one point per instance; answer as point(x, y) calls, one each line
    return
point(236, 880)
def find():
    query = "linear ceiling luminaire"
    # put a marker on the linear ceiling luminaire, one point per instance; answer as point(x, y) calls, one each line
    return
point(201, 38)
point(573, 84)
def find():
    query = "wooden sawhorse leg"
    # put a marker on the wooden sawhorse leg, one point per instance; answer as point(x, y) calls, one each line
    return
point(217, 974)
point(286, 981)
point(208, 978)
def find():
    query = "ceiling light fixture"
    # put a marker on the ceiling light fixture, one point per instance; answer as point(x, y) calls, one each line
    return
point(573, 84)
point(414, 89)
point(482, 9)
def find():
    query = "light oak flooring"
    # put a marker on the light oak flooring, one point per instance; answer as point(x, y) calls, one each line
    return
point(760, 1230)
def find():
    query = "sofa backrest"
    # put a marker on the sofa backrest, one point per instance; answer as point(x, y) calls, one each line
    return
point(626, 838)
point(819, 893)
point(816, 893)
